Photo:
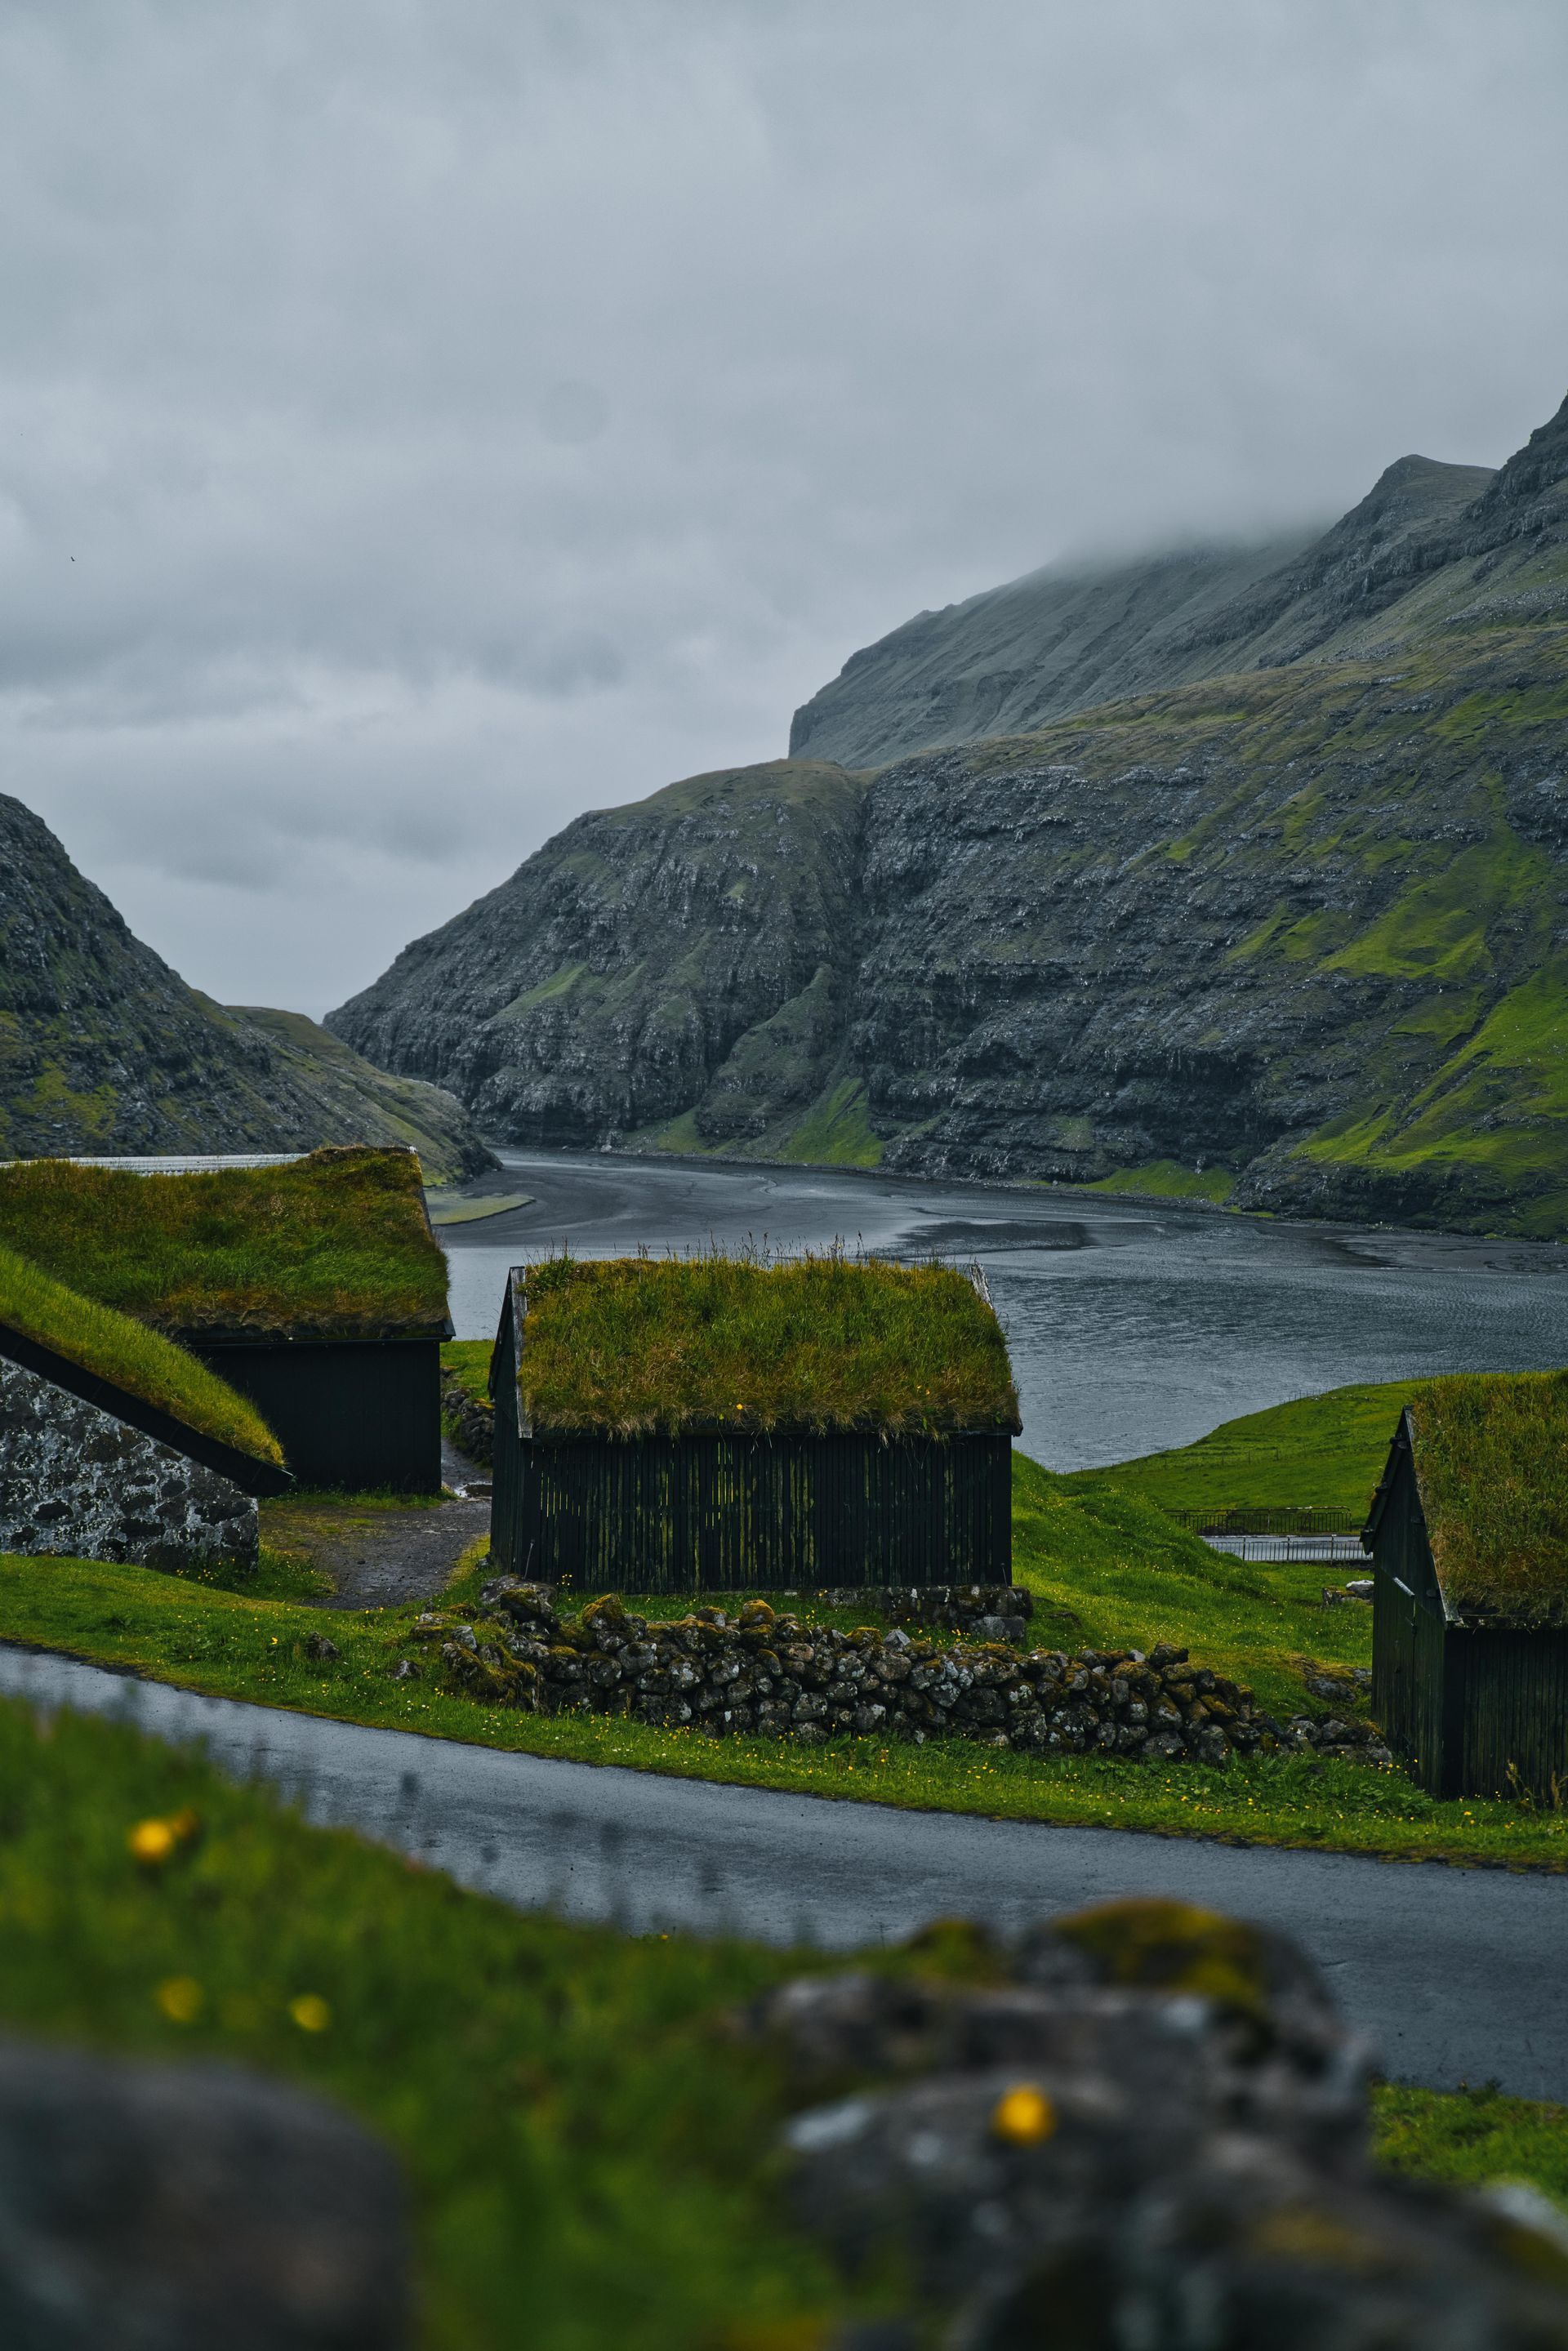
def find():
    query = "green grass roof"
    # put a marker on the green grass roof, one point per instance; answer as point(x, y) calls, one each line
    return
point(1492, 1455)
point(336, 1245)
point(631, 1345)
point(129, 1357)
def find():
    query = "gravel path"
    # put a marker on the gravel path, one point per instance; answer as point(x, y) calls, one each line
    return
point(1457, 1974)
point(378, 1554)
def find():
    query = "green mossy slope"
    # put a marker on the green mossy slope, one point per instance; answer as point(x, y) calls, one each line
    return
point(127, 1353)
point(1325, 1450)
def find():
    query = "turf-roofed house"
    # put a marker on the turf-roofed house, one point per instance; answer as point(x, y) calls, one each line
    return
point(117, 1445)
point(313, 1285)
point(1468, 1534)
point(715, 1423)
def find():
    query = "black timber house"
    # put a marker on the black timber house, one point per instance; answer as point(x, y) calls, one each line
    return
point(760, 1502)
point(312, 1284)
point(1470, 1685)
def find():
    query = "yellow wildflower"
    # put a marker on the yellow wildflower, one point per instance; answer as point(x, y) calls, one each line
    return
point(180, 1998)
point(1024, 2115)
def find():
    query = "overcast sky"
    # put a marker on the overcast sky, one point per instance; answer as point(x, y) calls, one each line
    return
point(422, 420)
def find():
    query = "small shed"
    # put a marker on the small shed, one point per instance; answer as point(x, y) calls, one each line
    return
point(117, 1445)
point(1469, 1536)
point(723, 1424)
point(312, 1284)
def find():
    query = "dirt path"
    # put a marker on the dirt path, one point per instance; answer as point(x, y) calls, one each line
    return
point(380, 1553)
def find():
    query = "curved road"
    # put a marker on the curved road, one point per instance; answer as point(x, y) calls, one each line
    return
point(1457, 1975)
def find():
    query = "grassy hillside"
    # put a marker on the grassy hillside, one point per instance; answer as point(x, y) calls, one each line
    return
point(1327, 1449)
point(104, 1050)
point(580, 2142)
point(1109, 1570)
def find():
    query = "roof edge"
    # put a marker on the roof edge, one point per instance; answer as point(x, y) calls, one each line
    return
point(245, 1470)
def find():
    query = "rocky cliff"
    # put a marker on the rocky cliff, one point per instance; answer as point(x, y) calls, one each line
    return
point(104, 1048)
point(613, 981)
point(1292, 934)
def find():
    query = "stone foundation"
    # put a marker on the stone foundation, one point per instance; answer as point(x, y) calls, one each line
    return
point(76, 1483)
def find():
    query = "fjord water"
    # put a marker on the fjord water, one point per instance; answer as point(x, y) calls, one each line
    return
point(1133, 1325)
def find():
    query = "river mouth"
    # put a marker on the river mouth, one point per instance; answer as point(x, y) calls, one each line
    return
point(1133, 1325)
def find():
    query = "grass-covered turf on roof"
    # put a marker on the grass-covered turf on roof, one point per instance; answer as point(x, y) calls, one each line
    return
point(1492, 1455)
point(129, 1357)
point(631, 1346)
point(335, 1245)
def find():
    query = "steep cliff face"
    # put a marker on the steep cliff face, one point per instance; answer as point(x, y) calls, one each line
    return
point(1294, 934)
point(685, 956)
point(1304, 930)
point(104, 1048)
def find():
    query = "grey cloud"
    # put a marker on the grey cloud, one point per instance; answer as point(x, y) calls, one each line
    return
point(463, 415)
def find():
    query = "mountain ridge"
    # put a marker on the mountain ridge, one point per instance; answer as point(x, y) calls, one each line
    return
point(104, 1048)
point(1293, 933)
point(1017, 657)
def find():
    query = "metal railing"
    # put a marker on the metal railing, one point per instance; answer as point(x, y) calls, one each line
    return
point(1296, 1519)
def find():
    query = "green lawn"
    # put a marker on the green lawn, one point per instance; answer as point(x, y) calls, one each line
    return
point(1108, 1569)
point(469, 1361)
point(1326, 1450)
point(589, 2160)
point(1465, 2137)
point(588, 2153)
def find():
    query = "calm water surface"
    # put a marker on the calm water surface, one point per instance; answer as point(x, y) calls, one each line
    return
point(1131, 1326)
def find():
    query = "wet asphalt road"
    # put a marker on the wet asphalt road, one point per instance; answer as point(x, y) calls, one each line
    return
point(1457, 1975)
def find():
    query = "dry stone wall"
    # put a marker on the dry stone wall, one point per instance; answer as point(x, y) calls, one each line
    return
point(76, 1483)
point(783, 1677)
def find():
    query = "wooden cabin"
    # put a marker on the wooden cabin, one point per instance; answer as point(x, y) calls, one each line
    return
point(114, 1444)
point(712, 1425)
point(1470, 1586)
point(312, 1284)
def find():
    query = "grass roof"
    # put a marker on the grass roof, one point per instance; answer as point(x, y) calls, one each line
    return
point(335, 1245)
point(1492, 1455)
point(129, 1357)
point(631, 1345)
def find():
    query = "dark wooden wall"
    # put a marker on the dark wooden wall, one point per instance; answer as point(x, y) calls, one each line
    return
point(721, 1513)
point(1477, 1708)
point(363, 1415)
point(1510, 1706)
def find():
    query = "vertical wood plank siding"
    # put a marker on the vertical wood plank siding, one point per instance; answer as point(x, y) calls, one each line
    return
point(723, 1513)
point(1510, 1690)
point(1477, 1708)
point(754, 1513)
point(363, 1415)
